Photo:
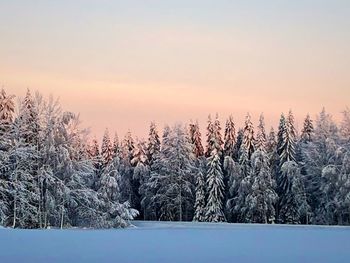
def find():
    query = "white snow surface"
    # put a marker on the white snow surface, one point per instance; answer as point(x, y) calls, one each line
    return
point(168, 242)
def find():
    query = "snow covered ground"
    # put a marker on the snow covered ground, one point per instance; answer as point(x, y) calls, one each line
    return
point(179, 242)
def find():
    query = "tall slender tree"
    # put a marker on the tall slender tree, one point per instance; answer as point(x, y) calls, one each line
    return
point(196, 139)
point(248, 136)
point(230, 137)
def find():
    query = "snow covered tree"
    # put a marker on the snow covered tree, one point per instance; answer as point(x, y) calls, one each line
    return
point(234, 177)
point(106, 149)
point(322, 163)
point(129, 187)
point(293, 203)
point(262, 197)
point(288, 147)
point(18, 184)
point(272, 151)
point(172, 177)
point(241, 186)
point(114, 213)
point(94, 149)
point(280, 134)
point(214, 138)
point(141, 175)
point(248, 136)
point(196, 140)
point(28, 117)
point(116, 146)
point(215, 188)
point(342, 196)
point(345, 125)
point(261, 135)
point(230, 137)
point(308, 130)
point(7, 110)
point(128, 147)
point(153, 147)
point(271, 143)
point(200, 200)
point(238, 144)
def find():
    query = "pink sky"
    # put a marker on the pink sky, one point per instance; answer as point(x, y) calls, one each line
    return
point(123, 65)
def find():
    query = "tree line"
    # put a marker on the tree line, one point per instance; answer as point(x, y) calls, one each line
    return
point(52, 175)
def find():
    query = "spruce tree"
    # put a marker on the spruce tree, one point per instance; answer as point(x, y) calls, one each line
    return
point(153, 147)
point(261, 135)
point(196, 140)
point(106, 149)
point(116, 146)
point(271, 144)
point(28, 117)
point(200, 198)
point(262, 197)
point(230, 137)
point(215, 188)
point(280, 134)
point(308, 130)
point(345, 126)
point(210, 137)
point(172, 177)
point(293, 203)
point(7, 110)
point(342, 196)
point(248, 136)
point(288, 147)
point(237, 148)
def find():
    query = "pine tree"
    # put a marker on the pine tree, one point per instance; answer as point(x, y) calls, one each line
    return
point(234, 177)
point(237, 148)
point(215, 186)
point(28, 117)
point(288, 147)
point(116, 146)
point(172, 177)
point(261, 135)
point(271, 144)
point(210, 137)
point(308, 130)
point(129, 186)
point(322, 161)
point(230, 137)
point(342, 196)
point(248, 136)
point(200, 201)
point(272, 151)
point(106, 149)
point(196, 140)
point(262, 197)
point(114, 213)
point(242, 186)
point(293, 202)
point(141, 175)
point(280, 134)
point(153, 147)
point(128, 146)
point(345, 125)
point(7, 109)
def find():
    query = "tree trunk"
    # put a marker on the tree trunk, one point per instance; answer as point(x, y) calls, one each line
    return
point(14, 211)
point(62, 216)
point(180, 206)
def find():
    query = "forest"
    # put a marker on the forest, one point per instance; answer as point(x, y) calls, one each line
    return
point(54, 175)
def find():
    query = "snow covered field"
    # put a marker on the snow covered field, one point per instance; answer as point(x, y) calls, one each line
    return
point(179, 242)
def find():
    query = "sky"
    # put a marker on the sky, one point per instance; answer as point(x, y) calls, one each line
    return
point(122, 64)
